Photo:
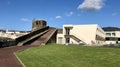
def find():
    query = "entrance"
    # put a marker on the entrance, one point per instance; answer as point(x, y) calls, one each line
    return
point(67, 40)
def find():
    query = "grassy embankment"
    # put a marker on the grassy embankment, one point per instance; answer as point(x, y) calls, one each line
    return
point(70, 56)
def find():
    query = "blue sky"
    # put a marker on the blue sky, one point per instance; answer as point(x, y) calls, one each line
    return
point(18, 14)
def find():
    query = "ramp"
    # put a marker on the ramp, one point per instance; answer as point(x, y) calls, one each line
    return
point(44, 38)
point(31, 36)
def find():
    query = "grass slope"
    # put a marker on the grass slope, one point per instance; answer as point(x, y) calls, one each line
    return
point(70, 56)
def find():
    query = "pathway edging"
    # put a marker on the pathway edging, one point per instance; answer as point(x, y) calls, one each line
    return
point(19, 59)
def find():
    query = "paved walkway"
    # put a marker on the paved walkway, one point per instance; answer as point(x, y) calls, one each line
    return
point(7, 57)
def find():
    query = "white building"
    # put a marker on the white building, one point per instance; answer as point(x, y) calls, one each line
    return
point(2, 31)
point(112, 37)
point(90, 34)
point(12, 33)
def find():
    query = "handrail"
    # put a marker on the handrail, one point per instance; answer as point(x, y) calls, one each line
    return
point(81, 38)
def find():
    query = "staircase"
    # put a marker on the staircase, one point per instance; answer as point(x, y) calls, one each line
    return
point(75, 38)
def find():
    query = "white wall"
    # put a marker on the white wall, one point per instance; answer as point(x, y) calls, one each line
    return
point(58, 40)
point(116, 32)
point(86, 33)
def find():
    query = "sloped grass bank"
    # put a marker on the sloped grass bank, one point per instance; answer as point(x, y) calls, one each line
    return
point(70, 56)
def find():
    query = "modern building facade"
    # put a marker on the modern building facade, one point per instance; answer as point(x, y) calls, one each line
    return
point(90, 34)
point(112, 37)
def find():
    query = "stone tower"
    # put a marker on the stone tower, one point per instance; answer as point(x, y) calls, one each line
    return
point(37, 24)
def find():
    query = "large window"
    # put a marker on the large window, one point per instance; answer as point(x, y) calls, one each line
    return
point(112, 39)
point(67, 31)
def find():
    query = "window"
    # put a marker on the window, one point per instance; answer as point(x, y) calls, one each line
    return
point(108, 34)
point(118, 39)
point(67, 31)
point(113, 34)
point(37, 22)
point(111, 39)
point(107, 39)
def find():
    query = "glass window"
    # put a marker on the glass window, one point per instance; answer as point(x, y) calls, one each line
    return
point(118, 39)
point(113, 34)
point(107, 39)
point(112, 39)
point(108, 34)
point(67, 31)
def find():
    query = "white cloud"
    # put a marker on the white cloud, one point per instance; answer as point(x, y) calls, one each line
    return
point(91, 5)
point(58, 17)
point(25, 20)
point(70, 13)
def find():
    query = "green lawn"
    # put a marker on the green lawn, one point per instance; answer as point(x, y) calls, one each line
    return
point(70, 56)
